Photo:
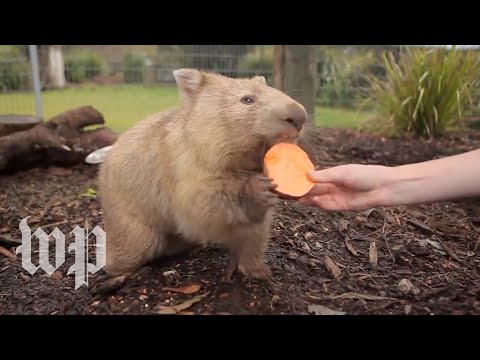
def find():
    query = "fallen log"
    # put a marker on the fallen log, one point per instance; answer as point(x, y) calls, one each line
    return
point(13, 123)
point(61, 141)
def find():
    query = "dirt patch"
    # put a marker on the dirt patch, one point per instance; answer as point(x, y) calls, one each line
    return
point(409, 259)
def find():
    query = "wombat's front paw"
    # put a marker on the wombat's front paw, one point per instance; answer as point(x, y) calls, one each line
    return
point(259, 196)
point(251, 269)
point(256, 270)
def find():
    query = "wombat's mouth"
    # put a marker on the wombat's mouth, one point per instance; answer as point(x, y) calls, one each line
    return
point(267, 144)
point(284, 138)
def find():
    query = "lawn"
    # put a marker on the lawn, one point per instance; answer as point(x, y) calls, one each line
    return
point(123, 105)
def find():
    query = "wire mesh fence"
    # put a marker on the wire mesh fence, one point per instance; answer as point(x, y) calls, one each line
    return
point(16, 90)
point(127, 82)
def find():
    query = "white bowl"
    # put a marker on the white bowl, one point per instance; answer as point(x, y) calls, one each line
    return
point(98, 156)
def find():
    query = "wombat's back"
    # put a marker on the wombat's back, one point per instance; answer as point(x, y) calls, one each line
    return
point(137, 172)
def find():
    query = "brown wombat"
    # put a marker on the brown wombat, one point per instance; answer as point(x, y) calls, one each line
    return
point(193, 175)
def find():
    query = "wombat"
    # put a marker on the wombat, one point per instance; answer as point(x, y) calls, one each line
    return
point(193, 175)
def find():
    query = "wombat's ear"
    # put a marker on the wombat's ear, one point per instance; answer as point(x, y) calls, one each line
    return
point(260, 79)
point(188, 81)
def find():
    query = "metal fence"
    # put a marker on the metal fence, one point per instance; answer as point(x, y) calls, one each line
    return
point(73, 68)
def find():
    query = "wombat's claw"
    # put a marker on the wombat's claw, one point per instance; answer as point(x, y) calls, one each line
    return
point(112, 284)
point(267, 183)
point(229, 270)
point(259, 271)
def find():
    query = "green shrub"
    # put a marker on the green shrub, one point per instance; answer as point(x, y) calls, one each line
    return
point(84, 66)
point(257, 62)
point(14, 68)
point(426, 91)
point(134, 68)
point(341, 73)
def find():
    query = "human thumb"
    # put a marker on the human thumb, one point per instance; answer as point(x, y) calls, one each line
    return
point(331, 175)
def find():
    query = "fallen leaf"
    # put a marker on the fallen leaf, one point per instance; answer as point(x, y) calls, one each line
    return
point(305, 246)
point(445, 228)
point(57, 275)
point(351, 296)
point(332, 267)
point(435, 244)
point(322, 310)
point(387, 217)
point(414, 213)
point(189, 289)
point(421, 225)
point(296, 227)
point(343, 225)
point(112, 284)
point(351, 248)
point(373, 254)
point(4, 229)
point(292, 256)
point(368, 212)
point(408, 309)
point(59, 171)
point(449, 251)
point(224, 295)
point(308, 236)
point(143, 297)
point(95, 303)
point(172, 273)
point(90, 193)
point(406, 287)
point(275, 298)
point(175, 309)
point(7, 253)
point(78, 219)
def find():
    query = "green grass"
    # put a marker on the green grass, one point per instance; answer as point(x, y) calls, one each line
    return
point(124, 105)
point(339, 118)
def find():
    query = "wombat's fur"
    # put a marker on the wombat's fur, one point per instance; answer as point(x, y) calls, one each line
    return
point(194, 175)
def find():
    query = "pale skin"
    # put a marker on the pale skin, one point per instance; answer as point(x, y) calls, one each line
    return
point(363, 187)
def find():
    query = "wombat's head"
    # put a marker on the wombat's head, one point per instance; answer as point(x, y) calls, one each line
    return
point(238, 115)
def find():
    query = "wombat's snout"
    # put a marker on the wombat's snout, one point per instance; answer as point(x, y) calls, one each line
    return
point(296, 116)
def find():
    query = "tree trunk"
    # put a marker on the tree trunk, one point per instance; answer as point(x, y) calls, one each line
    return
point(59, 142)
point(52, 66)
point(294, 73)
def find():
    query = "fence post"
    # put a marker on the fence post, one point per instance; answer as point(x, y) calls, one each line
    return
point(36, 80)
point(295, 72)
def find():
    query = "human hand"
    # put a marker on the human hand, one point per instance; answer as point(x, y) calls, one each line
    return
point(347, 187)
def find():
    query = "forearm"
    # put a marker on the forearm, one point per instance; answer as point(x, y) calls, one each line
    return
point(218, 200)
point(444, 179)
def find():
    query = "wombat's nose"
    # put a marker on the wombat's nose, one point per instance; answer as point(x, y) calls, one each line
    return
point(296, 116)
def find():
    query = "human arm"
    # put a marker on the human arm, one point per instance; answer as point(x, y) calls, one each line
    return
point(361, 187)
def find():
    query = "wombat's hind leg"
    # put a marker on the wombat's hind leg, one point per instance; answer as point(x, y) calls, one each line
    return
point(247, 248)
point(130, 245)
point(177, 245)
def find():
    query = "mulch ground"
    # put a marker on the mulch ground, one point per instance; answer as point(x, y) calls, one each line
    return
point(401, 260)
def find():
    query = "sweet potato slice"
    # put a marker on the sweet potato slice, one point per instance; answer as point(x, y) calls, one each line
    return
point(288, 165)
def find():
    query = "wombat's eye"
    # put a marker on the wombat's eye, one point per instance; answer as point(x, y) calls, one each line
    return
point(247, 100)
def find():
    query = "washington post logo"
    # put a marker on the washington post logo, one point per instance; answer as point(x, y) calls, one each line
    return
point(81, 268)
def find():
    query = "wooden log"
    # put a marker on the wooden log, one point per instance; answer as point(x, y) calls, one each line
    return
point(13, 123)
point(61, 141)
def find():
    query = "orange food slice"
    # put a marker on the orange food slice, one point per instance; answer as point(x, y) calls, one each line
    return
point(288, 165)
